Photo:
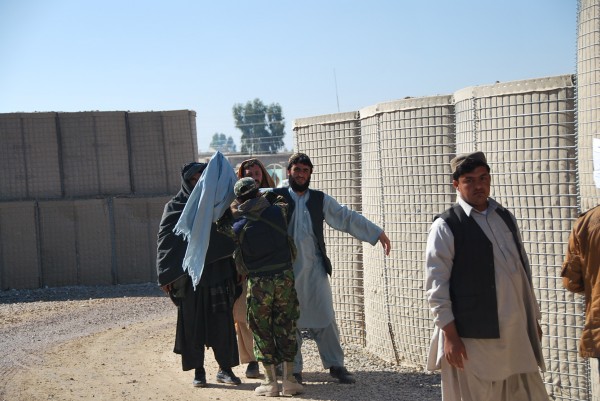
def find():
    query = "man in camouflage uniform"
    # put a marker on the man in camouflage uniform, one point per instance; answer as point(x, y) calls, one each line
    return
point(265, 253)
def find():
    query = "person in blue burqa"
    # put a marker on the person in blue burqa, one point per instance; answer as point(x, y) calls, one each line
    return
point(204, 292)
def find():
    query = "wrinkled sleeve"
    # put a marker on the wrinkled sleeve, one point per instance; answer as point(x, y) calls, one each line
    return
point(572, 268)
point(170, 248)
point(209, 199)
point(537, 311)
point(344, 219)
point(439, 256)
point(521, 247)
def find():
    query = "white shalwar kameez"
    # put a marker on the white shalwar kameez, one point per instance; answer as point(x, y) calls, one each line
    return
point(505, 368)
point(312, 282)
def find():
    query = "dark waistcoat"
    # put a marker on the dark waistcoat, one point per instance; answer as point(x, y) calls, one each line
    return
point(317, 217)
point(472, 281)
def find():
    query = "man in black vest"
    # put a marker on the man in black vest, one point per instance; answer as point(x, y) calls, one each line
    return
point(308, 209)
point(487, 338)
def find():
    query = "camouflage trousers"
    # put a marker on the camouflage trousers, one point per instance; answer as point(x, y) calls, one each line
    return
point(273, 310)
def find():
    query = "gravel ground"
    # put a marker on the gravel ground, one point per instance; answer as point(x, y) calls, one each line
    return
point(115, 343)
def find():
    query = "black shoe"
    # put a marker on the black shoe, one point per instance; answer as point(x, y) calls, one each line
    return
point(298, 377)
point(199, 378)
point(252, 370)
point(228, 377)
point(343, 376)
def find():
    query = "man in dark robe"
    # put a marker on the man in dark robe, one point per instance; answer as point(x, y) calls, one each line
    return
point(204, 313)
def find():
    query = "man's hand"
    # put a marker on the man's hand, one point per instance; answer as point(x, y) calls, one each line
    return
point(454, 349)
point(385, 242)
point(166, 288)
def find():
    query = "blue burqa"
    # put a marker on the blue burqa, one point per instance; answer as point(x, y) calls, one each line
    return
point(211, 196)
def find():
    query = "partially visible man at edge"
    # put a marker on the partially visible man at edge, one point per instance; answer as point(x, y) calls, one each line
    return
point(580, 275)
point(487, 337)
point(254, 169)
point(204, 314)
point(308, 209)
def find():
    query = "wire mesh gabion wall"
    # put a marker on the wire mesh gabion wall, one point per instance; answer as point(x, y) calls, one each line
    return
point(588, 94)
point(81, 194)
point(588, 123)
point(406, 146)
point(93, 153)
point(333, 144)
point(29, 162)
point(526, 129)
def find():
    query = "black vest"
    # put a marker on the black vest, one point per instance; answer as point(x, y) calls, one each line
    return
point(472, 281)
point(264, 242)
point(317, 217)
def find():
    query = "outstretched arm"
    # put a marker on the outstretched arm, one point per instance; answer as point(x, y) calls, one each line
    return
point(342, 218)
point(385, 242)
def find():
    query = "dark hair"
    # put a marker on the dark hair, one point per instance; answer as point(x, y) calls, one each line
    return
point(467, 166)
point(301, 158)
point(250, 163)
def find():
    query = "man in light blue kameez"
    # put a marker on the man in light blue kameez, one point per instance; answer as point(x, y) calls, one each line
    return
point(308, 209)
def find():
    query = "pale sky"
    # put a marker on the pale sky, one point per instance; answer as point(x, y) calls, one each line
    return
point(82, 55)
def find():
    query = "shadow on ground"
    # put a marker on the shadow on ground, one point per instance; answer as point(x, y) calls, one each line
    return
point(77, 293)
point(372, 386)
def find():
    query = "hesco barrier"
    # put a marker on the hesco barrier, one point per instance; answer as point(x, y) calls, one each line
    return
point(588, 124)
point(94, 153)
point(527, 130)
point(588, 94)
point(405, 147)
point(334, 143)
point(29, 157)
point(81, 194)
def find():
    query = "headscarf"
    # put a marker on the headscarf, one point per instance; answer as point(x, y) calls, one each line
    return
point(267, 181)
point(170, 247)
point(210, 198)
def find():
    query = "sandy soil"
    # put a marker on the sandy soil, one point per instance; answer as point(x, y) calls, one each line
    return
point(115, 343)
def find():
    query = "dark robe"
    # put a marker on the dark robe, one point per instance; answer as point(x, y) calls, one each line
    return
point(204, 315)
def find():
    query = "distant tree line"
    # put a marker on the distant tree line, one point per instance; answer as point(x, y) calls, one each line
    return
point(222, 143)
point(262, 126)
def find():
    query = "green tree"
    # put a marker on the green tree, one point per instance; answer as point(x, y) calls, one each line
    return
point(222, 143)
point(262, 126)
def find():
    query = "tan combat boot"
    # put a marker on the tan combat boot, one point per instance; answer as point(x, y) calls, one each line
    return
point(269, 387)
point(290, 384)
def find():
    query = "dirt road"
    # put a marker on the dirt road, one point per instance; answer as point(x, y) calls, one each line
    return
point(115, 343)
